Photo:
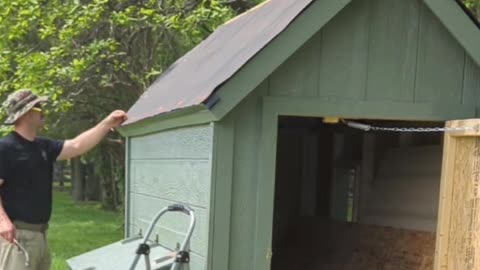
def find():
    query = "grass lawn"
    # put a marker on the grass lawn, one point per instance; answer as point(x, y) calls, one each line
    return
point(77, 228)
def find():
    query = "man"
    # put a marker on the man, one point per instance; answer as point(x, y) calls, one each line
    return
point(26, 166)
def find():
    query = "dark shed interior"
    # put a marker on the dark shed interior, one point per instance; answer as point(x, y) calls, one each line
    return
point(349, 199)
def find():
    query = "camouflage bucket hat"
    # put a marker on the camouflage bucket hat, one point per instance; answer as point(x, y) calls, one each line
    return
point(19, 103)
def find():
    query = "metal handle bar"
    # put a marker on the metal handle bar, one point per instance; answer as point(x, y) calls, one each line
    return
point(182, 255)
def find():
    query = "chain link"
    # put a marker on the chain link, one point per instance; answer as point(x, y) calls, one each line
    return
point(366, 127)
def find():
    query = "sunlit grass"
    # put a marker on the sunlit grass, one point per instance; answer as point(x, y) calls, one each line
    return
point(77, 228)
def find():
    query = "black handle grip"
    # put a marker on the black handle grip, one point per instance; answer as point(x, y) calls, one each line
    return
point(179, 208)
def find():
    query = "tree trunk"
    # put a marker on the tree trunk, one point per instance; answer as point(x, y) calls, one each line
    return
point(59, 174)
point(113, 183)
point(62, 176)
point(78, 177)
point(92, 183)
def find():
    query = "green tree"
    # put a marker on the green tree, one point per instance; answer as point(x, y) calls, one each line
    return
point(474, 6)
point(91, 57)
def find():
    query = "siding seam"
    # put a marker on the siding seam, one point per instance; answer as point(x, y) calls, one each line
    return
point(320, 59)
point(462, 96)
point(169, 200)
point(417, 60)
point(170, 159)
point(367, 62)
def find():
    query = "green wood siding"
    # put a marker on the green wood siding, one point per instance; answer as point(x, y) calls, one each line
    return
point(297, 82)
point(182, 180)
point(380, 59)
point(257, 69)
point(247, 126)
point(342, 71)
point(454, 19)
point(471, 83)
point(221, 195)
point(381, 50)
point(184, 143)
point(169, 167)
point(440, 64)
point(393, 41)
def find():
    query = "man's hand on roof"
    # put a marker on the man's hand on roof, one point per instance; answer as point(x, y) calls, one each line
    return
point(115, 119)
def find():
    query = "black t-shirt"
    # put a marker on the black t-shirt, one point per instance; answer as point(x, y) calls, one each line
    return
point(27, 170)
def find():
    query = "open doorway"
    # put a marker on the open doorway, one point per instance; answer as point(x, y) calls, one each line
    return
point(347, 199)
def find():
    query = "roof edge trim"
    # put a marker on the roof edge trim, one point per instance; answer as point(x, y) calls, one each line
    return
point(190, 116)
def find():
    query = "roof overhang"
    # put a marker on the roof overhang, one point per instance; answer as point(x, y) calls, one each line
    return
point(195, 115)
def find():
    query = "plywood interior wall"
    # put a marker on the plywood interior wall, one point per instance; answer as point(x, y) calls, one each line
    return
point(458, 241)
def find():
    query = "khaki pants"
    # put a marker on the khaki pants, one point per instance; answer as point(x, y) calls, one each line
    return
point(12, 257)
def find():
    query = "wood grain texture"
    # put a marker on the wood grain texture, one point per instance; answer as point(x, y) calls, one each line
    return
point(393, 48)
point(247, 118)
point(185, 181)
point(344, 53)
point(340, 107)
point(290, 81)
point(221, 198)
point(126, 230)
point(440, 63)
point(172, 166)
point(461, 27)
point(445, 205)
point(189, 142)
point(265, 190)
point(459, 215)
point(471, 85)
point(463, 248)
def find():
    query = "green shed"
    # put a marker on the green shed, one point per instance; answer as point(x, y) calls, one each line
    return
point(243, 129)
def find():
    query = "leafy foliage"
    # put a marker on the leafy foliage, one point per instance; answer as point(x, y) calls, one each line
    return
point(474, 6)
point(93, 56)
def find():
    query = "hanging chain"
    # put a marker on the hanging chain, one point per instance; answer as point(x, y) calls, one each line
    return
point(366, 127)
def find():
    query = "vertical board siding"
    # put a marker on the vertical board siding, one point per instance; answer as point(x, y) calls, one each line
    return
point(170, 167)
point(441, 63)
point(380, 50)
point(244, 186)
point(299, 82)
point(221, 194)
point(471, 93)
point(343, 68)
point(393, 49)
point(471, 83)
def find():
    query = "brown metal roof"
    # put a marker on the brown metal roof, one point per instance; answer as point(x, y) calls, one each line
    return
point(195, 76)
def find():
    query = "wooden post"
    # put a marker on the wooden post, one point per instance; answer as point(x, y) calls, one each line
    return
point(458, 229)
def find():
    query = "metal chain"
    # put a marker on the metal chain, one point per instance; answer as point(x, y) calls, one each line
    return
point(366, 127)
